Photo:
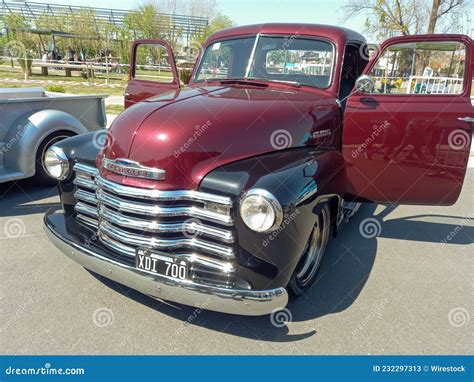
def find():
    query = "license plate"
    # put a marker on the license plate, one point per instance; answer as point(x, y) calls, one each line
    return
point(161, 264)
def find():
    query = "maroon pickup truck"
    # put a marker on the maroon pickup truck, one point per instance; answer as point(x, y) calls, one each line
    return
point(224, 194)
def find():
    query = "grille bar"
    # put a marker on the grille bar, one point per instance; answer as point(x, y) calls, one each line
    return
point(86, 209)
point(159, 211)
point(127, 218)
point(81, 168)
point(158, 195)
point(84, 182)
point(188, 226)
point(86, 196)
point(159, 243)
point(88, 220)
point(218, 265)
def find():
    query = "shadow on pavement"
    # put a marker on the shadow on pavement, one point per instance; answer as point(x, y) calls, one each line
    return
point(24, 197)
point(345, 269)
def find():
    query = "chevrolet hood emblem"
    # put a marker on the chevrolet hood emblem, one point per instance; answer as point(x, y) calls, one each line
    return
point(134, 169)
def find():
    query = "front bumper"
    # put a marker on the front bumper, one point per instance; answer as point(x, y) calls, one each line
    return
point(243, 302)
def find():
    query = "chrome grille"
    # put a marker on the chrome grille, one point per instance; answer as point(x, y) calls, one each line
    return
point(193, 225)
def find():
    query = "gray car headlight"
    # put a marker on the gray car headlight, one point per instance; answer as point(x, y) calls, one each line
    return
point(260, 210)
point(56, 163)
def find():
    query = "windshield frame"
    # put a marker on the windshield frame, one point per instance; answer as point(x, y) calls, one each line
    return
point(252, 56)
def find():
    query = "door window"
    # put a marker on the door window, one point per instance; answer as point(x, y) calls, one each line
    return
point(435, 67)
point(152, 63)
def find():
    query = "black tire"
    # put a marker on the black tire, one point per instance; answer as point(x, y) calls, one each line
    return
point(41, 175)
point(307, 269)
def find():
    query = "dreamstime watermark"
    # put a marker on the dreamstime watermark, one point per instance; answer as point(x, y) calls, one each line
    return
point(88, 242)
point(456, 230)
point(286, 221)
point(289, 40)
point(376, 313)
point(459, 139)
point(14, 228)
point(377, 130)
point(196, 312)
point(192, 228)
point(198, 131)
point(14, 49)
point(20, 132)
point(281, 139)
point(47, 369)
point(366, 52)
point(103, 317)
point(281, 317)
point(18, 313)
point(458, 317)
point(102, 140)
point(370, 228)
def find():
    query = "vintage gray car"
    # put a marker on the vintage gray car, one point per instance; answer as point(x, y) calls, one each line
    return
point(32, 120)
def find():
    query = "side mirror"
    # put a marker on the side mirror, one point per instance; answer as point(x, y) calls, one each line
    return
point(365, 84)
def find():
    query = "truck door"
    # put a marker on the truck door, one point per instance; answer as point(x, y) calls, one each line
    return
point(152, 71)
point(407, 139)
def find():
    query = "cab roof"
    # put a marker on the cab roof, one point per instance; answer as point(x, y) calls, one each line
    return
point(337, 34)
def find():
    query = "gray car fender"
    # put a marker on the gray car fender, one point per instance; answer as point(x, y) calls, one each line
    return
point(29, 132)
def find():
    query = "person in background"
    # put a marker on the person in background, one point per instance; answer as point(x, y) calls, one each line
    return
point(44, 62)
point(69, 54)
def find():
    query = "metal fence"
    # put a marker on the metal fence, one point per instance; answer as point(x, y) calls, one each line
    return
point(188, 25)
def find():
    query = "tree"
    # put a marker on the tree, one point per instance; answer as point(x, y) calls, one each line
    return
point(439, 9)
point(20, 41)
point(216, 24)
point(47, 21)
point(387, 18)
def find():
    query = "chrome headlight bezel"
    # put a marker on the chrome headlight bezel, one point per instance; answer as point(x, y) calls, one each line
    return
point(259, 195)
point(55, 156)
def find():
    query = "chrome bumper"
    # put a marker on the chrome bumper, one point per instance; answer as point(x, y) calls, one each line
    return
point(243, 302)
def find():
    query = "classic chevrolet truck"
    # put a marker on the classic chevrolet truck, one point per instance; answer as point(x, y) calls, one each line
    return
point(224, 194)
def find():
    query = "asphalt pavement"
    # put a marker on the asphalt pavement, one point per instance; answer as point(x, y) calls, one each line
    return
point(407, 289)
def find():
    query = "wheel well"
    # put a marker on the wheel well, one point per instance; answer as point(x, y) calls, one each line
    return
point(334, 207)
point(69, 133)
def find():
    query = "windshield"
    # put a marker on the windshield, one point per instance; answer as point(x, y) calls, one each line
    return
point(304, 61)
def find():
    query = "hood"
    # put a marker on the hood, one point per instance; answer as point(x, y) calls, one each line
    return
point(191, 132)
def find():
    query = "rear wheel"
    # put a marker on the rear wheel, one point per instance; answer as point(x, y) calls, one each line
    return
point(307, 269)
point(41, 175)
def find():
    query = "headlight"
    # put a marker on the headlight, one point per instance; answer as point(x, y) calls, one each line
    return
point(260, 210)
point(56, 163)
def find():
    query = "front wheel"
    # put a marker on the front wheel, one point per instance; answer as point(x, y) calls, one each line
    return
point(307, 269)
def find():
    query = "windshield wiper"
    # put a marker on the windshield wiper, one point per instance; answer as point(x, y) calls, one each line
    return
point(246, 79)
point(253, 79)
point(294, 83)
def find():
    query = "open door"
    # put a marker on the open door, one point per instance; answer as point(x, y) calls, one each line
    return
point(152, 71)
point(407, 136)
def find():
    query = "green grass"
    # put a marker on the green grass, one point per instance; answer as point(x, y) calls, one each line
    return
point(114, 109)
point(76, 84)
point(56, 88)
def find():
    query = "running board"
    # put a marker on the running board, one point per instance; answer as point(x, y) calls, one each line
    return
point(349, 209)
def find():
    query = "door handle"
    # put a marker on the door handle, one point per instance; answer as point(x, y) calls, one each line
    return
point(466, 119)
point(127, 95)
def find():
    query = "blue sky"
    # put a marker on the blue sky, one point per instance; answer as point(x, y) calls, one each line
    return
point(256, 11)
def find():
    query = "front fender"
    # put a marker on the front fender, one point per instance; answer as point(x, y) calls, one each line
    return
point(82, 148)
point(299, 179)
point(27, 133)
